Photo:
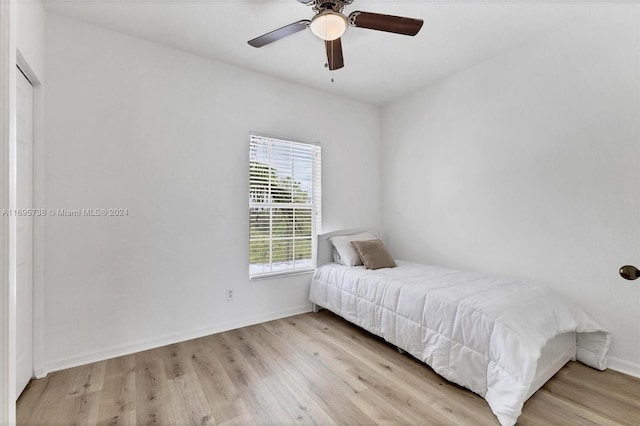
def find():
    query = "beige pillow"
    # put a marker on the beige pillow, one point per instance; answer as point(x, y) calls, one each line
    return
point(374, 254)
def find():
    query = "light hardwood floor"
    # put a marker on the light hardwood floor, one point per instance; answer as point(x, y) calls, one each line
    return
point(307, 369)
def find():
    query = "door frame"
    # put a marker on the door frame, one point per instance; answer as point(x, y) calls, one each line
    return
point(39, 366)
point(36, 224)
point(7, 201)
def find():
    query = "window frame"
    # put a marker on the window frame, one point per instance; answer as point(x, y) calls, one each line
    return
point(315, 205)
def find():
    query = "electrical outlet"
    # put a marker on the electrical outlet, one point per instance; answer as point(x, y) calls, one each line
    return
point(229, 294)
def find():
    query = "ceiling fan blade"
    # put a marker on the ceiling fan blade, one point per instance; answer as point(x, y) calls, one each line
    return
point(276, 35)
point(334, 54)
point(388, 23)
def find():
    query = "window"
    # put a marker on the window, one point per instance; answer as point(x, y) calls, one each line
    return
point(284, 205)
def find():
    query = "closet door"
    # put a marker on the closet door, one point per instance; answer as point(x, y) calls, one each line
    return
point(24, 234)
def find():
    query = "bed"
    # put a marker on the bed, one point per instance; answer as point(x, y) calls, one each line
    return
point(501, 338)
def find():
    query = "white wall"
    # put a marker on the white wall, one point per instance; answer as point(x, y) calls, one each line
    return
point(164, 134)
point(527, 165)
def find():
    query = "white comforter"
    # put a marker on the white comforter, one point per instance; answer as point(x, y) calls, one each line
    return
point(482, 332)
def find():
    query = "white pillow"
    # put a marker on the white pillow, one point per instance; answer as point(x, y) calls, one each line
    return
point(347, 254)
point(336, 258)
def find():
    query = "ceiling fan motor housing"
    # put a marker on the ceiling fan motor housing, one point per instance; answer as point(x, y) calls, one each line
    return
point(320, 6)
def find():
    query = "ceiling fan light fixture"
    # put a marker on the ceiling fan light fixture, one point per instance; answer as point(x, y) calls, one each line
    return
point(329, 25)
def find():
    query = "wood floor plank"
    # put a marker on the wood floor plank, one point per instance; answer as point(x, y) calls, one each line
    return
point(413, 402)
point(217, 343)
point(260, 358)
point(546, 408)
point(380, 410)
point(189, 405)
point(244, 420)
point(306, 369)
point(76, 411)
point(300, 405)
point(307, 359)
point(124, 419)
point(220, 392)
point(175, 359)
point(46, 408)
point(297, 330)
point(622, 388)
point(458, 413)
point(331, 395)
point(261, 403)
point(618, 384)
point(606, 405)
point(88, 378)
point(120, 384)
point(151, 391)
point(31, 398)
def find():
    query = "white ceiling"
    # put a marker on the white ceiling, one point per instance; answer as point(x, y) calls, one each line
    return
point(379, 67)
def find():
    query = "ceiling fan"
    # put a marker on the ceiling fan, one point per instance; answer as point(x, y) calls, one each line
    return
point(330, 23)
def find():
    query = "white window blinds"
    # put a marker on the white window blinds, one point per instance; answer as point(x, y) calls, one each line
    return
point(284, 205)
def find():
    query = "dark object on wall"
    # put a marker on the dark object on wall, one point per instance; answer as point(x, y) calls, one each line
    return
point(629, 272)
point(329, 24)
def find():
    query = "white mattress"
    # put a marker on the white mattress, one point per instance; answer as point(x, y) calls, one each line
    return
point(498, 337)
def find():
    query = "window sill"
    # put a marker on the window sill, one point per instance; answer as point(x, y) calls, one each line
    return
point(280, 274)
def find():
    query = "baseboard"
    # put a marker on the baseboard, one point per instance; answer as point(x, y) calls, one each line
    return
point(90, 357)
point(622, 366)
point(39, 372)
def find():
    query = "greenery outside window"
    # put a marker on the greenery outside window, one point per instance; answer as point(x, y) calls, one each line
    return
point(284, 205)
